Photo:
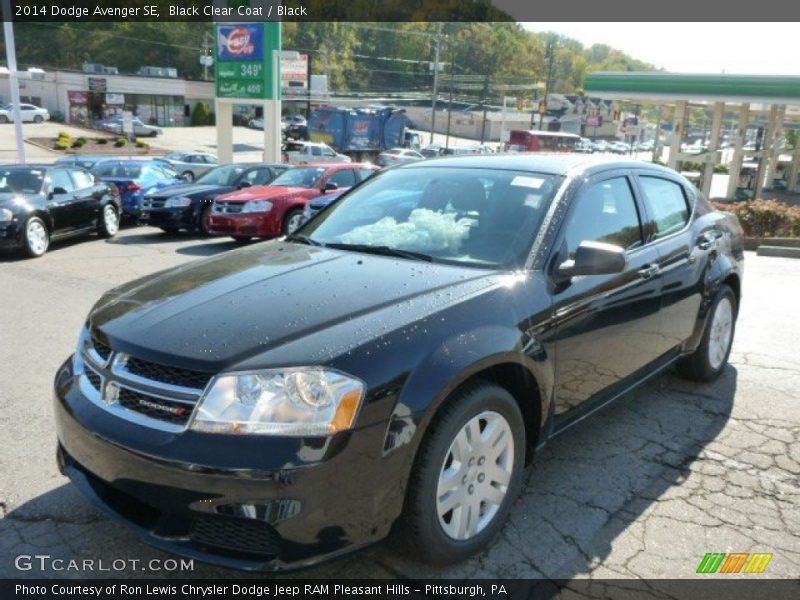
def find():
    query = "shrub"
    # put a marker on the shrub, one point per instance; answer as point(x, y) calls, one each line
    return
point(141, 144)
point(721, 169)
point(765, 218)
point(78, 143)
point(201, 114)
point(64, 134)
point(61, 144)
point(102, 140)
point(120, 142)
point(82, 140)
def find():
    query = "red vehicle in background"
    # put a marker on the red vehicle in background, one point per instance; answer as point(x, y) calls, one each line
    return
point(541, 141)
point(277, 209)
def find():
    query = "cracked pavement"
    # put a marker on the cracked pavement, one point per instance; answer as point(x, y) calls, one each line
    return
point(641, 490)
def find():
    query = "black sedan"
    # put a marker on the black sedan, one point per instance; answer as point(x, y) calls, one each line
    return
point(41, 203)
point(188, 206)
point(394, 362)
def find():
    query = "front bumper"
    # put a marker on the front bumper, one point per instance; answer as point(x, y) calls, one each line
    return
point(243, 225)
point(180, 218)
point(235, 501)
point(10, 234)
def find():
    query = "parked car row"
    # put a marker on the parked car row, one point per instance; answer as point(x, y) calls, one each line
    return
point(30, 113)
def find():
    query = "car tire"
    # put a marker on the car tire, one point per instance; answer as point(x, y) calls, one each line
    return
point(292, 221)
point(35, 238)
point(187, 176)
point(242, 239)
point(38, 119)
point(108, 223)
point(442, 536)
point(204, 223)
point(153, 133)
point(708, 361)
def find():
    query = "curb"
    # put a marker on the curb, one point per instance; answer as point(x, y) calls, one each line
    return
point(779, 251)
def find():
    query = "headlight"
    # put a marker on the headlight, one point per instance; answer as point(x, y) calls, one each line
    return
point(291, 402)
point(177, 201)
point(257, 206)
point(6, 215)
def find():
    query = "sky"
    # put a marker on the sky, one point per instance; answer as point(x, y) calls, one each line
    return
point(735, 48)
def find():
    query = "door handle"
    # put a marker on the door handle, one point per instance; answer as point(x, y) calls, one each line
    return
point(649, 271)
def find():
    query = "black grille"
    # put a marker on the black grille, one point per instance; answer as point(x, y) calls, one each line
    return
point(170, 375)
point(93, 378)
point(102, 350)
point(240, 535)
point(155, 408)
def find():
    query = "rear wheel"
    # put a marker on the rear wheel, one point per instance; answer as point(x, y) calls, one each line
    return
point(466, 476)
point(187, 176)
point(711, 356)
point(36, 238)
point(108, 224)
point(38, 119)
point(292, 221)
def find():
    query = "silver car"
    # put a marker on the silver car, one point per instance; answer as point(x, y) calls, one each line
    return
point(191, 165)
point(398, 156)
point(114, 125)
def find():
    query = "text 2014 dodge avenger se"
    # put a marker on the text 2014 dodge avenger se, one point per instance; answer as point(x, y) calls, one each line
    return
point(395, 361)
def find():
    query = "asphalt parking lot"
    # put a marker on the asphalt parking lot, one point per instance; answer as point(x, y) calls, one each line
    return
point(644, 489)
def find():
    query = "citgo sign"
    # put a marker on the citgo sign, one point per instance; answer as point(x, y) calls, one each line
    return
point(244, 60)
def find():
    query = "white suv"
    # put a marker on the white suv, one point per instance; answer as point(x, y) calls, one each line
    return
point(305, 153)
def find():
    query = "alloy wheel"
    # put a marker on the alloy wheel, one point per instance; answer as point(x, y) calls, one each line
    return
point(719, 339)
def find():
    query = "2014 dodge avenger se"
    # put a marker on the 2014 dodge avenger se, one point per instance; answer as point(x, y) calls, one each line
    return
point(394, 362)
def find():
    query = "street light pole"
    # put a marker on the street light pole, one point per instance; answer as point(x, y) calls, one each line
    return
point(13, 79)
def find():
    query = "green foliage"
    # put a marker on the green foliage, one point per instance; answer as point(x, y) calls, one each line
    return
point(721, 169)
point(101, 140)
point(792, 137)
point(201, 114)
point(120, 142)
point(64, 134)
point(141, 144)
point(79, 143)
point(61, 144)
point(765, 218)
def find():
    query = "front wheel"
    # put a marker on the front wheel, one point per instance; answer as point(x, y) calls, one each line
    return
point(708, 361)
point(187, 176)
point(205, 220)
point(36, 238)
point(108, 224)
point(292, 221)
point(466, 476)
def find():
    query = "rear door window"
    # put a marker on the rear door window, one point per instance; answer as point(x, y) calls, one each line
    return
point(666, 204)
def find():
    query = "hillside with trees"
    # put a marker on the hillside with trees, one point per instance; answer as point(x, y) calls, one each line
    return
point(367, 58)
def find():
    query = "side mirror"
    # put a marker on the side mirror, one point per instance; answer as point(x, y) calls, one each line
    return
point(58, 191)
point(244, 184)
point(330, 187)
point(593, 258)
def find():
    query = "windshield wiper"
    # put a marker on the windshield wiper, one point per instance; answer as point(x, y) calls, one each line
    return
point(303, 239)
point(382, 251)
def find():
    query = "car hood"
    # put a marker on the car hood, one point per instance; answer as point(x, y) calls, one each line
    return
point(264, 192)
point(193, 190)
point(14, 202)
point(277, 302)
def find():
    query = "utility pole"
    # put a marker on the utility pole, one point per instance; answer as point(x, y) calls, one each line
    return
point(437, 46)
point(450, 105)
point(550, 52)
point(205, 58)
point(13, 78)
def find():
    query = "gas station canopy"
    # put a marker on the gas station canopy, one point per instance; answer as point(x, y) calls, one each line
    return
point(777, 94)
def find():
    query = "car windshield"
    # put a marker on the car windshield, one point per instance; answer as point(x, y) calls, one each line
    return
point(475, 217)
point(306, 177)
point(21, 180)
point(175, 156)
point(226, 175)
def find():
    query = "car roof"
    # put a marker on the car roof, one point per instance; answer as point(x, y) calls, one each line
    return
point(551, 163)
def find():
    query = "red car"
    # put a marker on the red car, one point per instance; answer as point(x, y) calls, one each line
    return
point(277, 209)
